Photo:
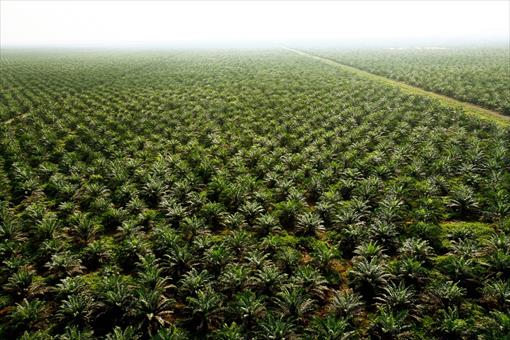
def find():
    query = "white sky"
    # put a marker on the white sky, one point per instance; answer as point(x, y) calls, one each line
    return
point(152, 23)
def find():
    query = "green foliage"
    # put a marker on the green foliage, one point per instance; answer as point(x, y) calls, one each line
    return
point(475, 75)
point(240, 195)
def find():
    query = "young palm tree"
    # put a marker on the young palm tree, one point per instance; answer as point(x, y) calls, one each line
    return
point(498, 294)
point(268, 279)
point(29, 315)
point(275, 327)
point(75, 332)
point(171, 333)
point(78, 310)
point(174, 211)
point(448, 293)
point(127, 333)
point(251, 211)
point(205, 309)
point(345, 304)
point(396, 297)
point(216, 257)
point(150, 274)
point(265, 224)
point(369, 276)
point(331, 328)
point(463, 201)
point(412, 271)
point(23, 284)
point(309, 224)
point(248, 308)
point(312, 282)
point(239, 241)
point(46, 228)
point(294, 303)
point(153, 309)
point(192, 281)
point(384, 233)
point(228, 332)
point(452, 325)
point(417, 249)
point(234, 278)
point(391, 324)
point(117, 299)
point(368, 251)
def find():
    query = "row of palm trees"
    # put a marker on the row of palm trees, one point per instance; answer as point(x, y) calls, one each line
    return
point(476, 75)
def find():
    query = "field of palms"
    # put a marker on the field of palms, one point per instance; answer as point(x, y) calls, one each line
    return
point(477, 75)
point(244, 195)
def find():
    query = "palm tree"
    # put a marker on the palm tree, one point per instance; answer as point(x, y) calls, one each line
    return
point(417, 249)
point(268, 279)
point(251, 211)
point(294, 303)
point(46, 228)
point(350, 237)
point(117, 299)
point(248, 308)
point(448, 293)
point(331, 328)
point(390, 209)
point(309, 224)
point(127, 333)
point(275, 327)
point(29, 314)
point(216, 257)
point(368, 276)
point(345, 304)
point(77, 333)
point(234, 278)
point(396, 297)
point(257, 259)
point(23, 284)
point(368, 251)
point(229, 332)
point(213, 213)
point(312, 282)
point(150, 274)
point(452, 325)
point(192, 281)
point(391, 324)
point(171, 333)
point(265, 224)
point(78, 310)
point(154, 189)
point(205, 309)
point(287, 259)
point(412, 271)
point(153, 309)
point(323, 255)
point(239, 241)
point(174, 211)
point(287, 212)
point(498, 294)
point(234, 221)
point(463, 201)
point(384, 233)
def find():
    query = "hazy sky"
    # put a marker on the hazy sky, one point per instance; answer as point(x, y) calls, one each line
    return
point(132, 23)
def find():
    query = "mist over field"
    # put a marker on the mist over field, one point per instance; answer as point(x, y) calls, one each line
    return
point(205, 24)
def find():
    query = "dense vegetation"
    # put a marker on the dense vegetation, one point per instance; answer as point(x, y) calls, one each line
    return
point(241, 195)
point(480, 76)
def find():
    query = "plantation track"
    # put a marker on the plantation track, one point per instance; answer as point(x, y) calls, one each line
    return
point(468, 108)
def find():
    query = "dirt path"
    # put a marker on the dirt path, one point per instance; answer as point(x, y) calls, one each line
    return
point(468, 108)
